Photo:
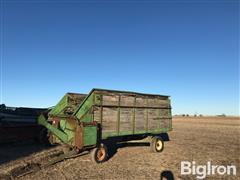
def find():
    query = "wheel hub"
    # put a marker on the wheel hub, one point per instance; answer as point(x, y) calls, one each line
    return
point(101, 154)
point(158, 145)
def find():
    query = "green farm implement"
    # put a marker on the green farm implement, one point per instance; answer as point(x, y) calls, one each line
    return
point(104, 117)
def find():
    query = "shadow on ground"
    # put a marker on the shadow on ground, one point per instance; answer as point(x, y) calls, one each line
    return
point(14, 150)
point(113, 148)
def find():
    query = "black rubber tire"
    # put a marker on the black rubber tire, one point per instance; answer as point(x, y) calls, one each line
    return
point(99, 154)
point(157, 144)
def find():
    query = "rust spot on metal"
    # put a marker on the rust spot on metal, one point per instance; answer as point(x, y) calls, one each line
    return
point(79, 136)
point(71, 122)
point(55, 122)
point(93, 123)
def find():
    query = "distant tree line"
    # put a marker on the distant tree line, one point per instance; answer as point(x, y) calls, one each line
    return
point(197, 115)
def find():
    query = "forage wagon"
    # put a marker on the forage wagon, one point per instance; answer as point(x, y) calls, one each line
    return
point(103, 117)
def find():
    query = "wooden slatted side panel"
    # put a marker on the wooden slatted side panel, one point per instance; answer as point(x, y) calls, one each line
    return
point(140, 116)
point(141, 101)
point(126, 119)
point(157, 118)
point(165, 123)
point(127, 112)
point(127, 100)
point(97, 114)
point(164, 113)
point(153, 119)
point(110, 99)
point(156, 102)
point(109, 120)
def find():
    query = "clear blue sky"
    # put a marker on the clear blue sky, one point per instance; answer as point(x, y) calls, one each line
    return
point(186, 49)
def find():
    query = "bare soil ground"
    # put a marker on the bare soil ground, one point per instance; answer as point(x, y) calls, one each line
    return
point(199, 139)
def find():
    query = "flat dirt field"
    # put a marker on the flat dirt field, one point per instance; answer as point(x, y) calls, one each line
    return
point(199, 139)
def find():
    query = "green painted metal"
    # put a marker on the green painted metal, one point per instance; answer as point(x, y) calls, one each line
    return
point(67, 105)
point(90, 134)
point(68, 129)
point(65, 133)
point(60, 134)
point(84, 108)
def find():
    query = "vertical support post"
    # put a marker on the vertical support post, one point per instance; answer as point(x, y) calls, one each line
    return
point(92, 108)
point(133, 115)
point(159, 118)
point(101, 108)
point(170, 115)
point(118, 123)
point(146, 116)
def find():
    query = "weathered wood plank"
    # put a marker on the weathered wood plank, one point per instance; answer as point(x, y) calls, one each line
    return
point(153, 119)
point(109, 121)
point(127, 100)
point(97, 114)
point(157, 102)
point(126, 119)
point(110, 100)
point(139, 119)
point(164, 123)
point(141, 101)
point(164, 112)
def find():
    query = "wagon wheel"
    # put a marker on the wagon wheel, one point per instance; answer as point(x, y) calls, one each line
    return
point(157, 144)
point(99, 154)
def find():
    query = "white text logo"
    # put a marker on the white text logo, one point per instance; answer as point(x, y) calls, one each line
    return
point(201, 171)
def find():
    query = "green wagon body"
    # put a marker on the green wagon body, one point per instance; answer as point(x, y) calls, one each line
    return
point(106, 114)
point(67, 105)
